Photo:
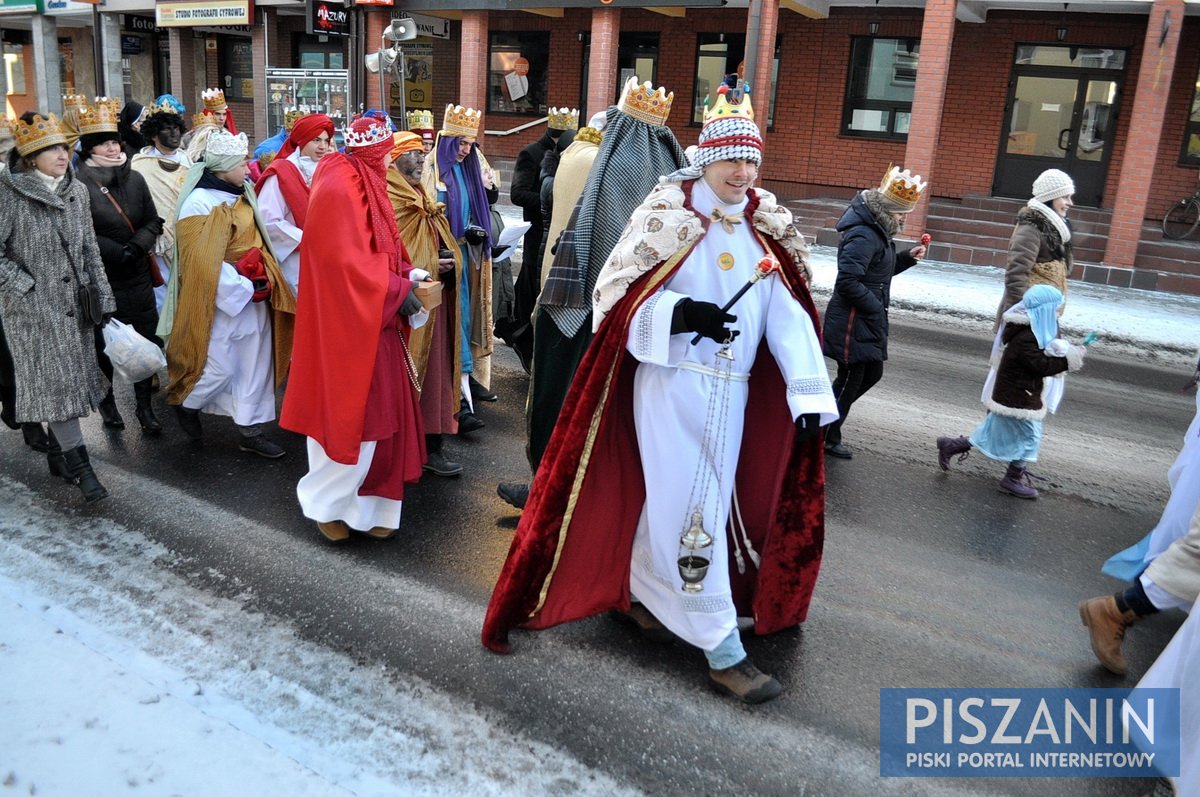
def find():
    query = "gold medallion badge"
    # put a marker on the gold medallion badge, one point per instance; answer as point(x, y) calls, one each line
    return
point(725, 261)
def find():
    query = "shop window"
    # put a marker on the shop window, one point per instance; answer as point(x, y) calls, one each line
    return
point(719, 55)
point(237, 69)
point(311, 53)
point(518, 68)
point(879, 87)
point(14, 68)
point(1191, 135)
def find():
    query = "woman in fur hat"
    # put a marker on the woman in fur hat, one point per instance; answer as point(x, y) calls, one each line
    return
point(1026, 351)
point(1039, 252)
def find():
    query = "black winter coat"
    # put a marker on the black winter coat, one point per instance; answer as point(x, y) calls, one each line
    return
point(856, 320)
point(125, 251)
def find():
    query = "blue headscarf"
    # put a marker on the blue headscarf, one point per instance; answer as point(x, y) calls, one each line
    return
point(1041, 305)
point(446, 156)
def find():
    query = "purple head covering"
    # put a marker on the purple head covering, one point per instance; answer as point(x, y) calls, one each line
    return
point(447, 155)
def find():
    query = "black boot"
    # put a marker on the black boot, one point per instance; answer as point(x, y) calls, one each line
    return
point(35, 436)
point(145, 412)
point(110, 413)
point(81, 469)
point(57, 462)
point(436, 462)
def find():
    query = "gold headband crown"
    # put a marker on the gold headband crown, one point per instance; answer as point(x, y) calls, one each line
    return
point(102, 116)
point(74, 102)
point(646, 103)
point(460, 121)
point(589, 134)
point(204, 119)
point(420, 120)
point(40, 132)
point(563, 119)
point(214, 99)
point(291, 117)
point(160, 107)
point(902, 187)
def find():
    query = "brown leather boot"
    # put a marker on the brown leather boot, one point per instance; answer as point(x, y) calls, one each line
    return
point(745, 682)
point(1106, 624)
point(381, 532)
point(334, 531)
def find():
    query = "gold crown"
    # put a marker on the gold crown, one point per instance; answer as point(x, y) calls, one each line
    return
point(420, 120)
point(74, 102)
point(291, 117)
point(723, 109)
point(902, 187)
point(460, 121)
point(160, 107)
point(563, 119)
point(214, 99)
point(99, 117)
point(645, 103)
point(589, 134)
point(202, 119)
point(39, 133)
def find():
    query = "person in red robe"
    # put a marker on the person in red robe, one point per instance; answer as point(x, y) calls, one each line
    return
point(353, 389)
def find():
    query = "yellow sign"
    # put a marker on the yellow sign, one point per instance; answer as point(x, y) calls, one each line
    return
point(206, 13)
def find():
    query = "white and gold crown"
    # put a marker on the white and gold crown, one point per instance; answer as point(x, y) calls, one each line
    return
point(420, 120)
point(214, 99)
point(372, 134)
point(221, 142)
point(101, 116)
point(563, 118)
point(460, 121)
point(646, 103)
point(902, 187)
point(39, 133)
point(160, 107)
point(204, 120)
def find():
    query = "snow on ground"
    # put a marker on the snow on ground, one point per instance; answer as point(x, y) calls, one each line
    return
point(121, 678)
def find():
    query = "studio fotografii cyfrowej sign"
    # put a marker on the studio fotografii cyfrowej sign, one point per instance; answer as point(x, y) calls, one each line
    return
point(208, 13)
point(328, 18)
point(1025, 733)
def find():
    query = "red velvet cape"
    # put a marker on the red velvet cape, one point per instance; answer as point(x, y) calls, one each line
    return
point(338, 316)
point(571, 553)
point(291, 185)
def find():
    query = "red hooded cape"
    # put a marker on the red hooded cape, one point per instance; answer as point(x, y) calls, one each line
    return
point(571, 553)
point(341, 391)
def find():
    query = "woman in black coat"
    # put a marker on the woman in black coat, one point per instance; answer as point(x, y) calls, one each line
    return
point(856, 321)
point(127, 225)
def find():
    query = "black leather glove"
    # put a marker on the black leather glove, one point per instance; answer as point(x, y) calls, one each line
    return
point(142, 241)
point(705, 318)
point(412, 305)
point(155, 226)
point(808, 426)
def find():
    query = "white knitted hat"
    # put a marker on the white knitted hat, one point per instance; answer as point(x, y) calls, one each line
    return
point(1052, 184)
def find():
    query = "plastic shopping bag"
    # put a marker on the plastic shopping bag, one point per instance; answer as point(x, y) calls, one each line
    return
point(133, 357)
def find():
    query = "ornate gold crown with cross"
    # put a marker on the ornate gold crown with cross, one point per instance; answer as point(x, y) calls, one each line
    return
point(214, 99)
point(646, 103)
point(902, 187)
point(562, 118)
point(101, 116)
point(723, 109)
point(291, 117)
point(460, 121)
point(40, 132)
point(420, 120)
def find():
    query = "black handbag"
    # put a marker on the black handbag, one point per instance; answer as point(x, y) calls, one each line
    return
point(91, 307)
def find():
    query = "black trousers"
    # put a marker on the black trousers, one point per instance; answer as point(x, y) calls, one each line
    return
point(851, 384)
point(555, 358)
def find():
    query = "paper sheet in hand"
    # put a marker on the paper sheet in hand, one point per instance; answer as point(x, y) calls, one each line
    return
point(509, 237)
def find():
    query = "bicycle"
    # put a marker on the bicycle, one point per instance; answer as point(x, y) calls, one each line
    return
point(1182, 218)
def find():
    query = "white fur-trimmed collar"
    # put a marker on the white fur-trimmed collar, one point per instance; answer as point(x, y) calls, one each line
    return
point(1058, 221)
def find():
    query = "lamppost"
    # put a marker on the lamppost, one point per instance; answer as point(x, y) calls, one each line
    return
point(389, 62)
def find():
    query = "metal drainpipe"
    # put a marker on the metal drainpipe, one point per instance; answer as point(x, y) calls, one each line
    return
point(753, 31)
point(98, 52)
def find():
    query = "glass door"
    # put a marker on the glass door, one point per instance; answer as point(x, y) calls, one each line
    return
point(1060, 114)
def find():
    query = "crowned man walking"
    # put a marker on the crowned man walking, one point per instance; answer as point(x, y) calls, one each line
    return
point(643, 463)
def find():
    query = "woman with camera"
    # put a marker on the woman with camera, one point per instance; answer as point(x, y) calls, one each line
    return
point(53, 294)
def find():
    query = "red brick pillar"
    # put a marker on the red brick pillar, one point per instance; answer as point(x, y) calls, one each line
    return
point(602, 59)
point(761, 89)
point(1145, 130)
point(373, 24)
point(937, 39)
point(473, 67)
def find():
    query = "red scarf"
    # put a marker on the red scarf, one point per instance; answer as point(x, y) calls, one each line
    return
point(291, 184)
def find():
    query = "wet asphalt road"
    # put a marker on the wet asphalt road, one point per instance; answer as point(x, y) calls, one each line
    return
point(929, 579)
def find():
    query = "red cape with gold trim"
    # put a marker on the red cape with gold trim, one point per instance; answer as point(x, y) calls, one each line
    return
point(571, 554)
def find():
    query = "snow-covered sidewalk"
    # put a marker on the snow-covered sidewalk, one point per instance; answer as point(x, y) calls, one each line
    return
point(121, 678)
